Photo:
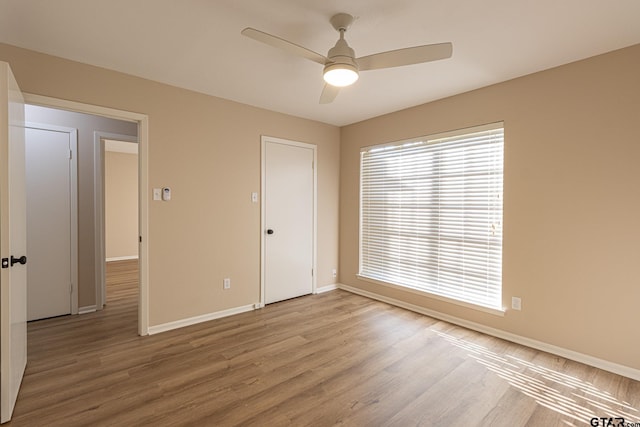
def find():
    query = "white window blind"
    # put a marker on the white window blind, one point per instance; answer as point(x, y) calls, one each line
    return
point(431, 215)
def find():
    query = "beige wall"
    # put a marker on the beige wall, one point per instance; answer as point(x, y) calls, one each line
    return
point(208, 151)
point(85, 125)
point(571, 201)
point(121, 204)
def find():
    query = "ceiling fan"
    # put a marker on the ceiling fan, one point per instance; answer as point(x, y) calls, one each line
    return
point(341, 67)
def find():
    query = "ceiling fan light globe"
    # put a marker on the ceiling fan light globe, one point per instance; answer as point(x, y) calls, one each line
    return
point(340, 75)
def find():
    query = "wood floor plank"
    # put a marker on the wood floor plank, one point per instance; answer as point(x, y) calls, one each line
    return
point(329, 359)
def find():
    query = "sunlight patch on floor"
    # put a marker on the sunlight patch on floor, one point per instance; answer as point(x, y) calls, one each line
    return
point(577, 399)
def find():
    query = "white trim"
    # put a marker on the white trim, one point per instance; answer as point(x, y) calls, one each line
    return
point(326, 288)
point(315, 218)
point(263, 227)
point(143, 192)
point(143, 224)
point(79, 107)
point(263, 170)
point(98, 220)
point(73, 208)
point(199, 319)
point(606, 365)
point(99, 148)
point(438, 136)
point(87, 309)
point(73, 137)
point(121, 258)
point(47, 126)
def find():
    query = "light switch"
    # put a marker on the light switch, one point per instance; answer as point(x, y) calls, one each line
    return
point(157, 194)
point(254, 197)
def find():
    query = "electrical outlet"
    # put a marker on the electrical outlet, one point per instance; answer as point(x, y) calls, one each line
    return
point(516, 303)
point(226, 283)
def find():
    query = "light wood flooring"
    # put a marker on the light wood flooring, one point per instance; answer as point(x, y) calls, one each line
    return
point(322, 360)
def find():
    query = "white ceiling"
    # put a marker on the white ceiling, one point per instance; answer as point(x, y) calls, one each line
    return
point(196, 44)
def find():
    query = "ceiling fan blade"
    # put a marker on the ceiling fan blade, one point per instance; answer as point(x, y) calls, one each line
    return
point(283, 44)
point(407, 56)
point(328, 94)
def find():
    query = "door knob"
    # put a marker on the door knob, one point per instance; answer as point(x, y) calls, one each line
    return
point(22, 260)
point(269, 231)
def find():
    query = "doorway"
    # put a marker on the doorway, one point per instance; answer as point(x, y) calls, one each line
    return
point(140, 122)
point(288, 219)
point(116, 188)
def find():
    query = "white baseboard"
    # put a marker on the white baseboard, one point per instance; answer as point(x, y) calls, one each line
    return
point(121, 258)
point(87, 309)
point(198, 319)
point(605, 365)
point(326, 288)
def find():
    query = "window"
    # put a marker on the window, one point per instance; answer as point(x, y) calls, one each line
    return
point(431, 215)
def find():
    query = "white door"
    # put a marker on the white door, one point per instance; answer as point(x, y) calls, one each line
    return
point(13, 243)
point(288, 203)
point(50, 221)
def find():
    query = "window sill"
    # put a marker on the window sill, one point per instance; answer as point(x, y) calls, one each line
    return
point(489, 310)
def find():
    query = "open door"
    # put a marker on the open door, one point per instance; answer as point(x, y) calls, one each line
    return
point(13, 243)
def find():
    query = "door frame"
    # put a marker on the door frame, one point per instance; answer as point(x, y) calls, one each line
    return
point(99, 209)
point(264, 140)
point(143, 194)
point(73, 141)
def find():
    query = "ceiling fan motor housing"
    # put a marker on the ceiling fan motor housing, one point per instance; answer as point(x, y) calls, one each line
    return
point(341, 54)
